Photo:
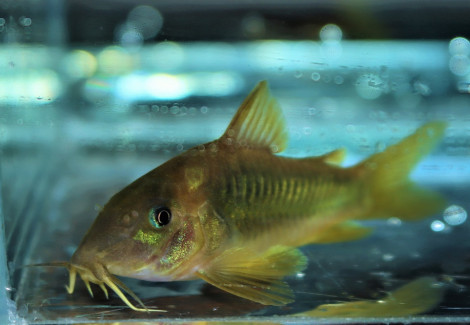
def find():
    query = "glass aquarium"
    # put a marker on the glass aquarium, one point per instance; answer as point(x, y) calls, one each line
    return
point(95, 94)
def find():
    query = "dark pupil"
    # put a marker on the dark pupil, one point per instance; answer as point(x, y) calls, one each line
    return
point(163, 216)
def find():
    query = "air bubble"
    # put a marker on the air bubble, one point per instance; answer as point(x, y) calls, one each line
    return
point(339, 80)
point(25, 21)
point(331, 32)
point(316, 76)
point(459, 65)
point(369, 86)
point(174, 110)
point(298, 74)
point(459, 45)
point(455, 215)
point(2, 21)
point(204, 109)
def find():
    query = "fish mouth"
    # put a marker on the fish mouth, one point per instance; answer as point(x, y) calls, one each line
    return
point(99, 275)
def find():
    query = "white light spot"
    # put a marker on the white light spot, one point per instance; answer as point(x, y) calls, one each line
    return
point(388, 257)
point(455, 215)
point(437, 226)
point(300, 275)
point(165, 86)
point(394, 221)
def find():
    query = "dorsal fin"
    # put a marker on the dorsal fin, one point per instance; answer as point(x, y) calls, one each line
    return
point(259, 121)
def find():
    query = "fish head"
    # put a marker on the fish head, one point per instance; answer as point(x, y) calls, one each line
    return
point(145, 231)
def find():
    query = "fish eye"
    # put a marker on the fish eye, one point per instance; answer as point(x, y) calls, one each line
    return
point(160, 216)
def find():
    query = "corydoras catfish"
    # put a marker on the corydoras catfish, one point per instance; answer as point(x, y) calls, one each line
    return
point(233, 213)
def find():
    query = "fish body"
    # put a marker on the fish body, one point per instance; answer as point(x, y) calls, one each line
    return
point(233, 213)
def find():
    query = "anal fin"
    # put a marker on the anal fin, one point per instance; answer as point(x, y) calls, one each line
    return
point(255, 276)
point(346, 231)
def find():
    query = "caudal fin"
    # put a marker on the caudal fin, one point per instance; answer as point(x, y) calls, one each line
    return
point(392, 193)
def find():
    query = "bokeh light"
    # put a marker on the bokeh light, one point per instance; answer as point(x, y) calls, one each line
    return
point(437, 226)
point(80, 64)
point(455, 215)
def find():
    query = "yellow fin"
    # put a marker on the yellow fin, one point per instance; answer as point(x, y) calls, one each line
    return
point(392, 193)
point(336, 157)
point(416, 297)
point(256, 277)
point(259, 121)
point(341, 232)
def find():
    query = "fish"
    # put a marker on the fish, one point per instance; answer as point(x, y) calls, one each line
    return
point(234, 213)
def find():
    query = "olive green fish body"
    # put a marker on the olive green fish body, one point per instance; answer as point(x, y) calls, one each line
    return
point(259, 195)
point(233, 213)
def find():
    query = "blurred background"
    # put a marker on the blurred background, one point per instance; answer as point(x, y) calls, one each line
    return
point(93, 94)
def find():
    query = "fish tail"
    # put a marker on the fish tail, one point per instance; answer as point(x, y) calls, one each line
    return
point(392, 193)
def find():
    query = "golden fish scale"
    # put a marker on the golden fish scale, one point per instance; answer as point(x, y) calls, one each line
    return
point(257, 194)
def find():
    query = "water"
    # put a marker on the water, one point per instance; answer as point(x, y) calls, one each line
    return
point(79, 122)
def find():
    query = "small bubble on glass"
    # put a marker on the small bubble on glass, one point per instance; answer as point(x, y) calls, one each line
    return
point(316, 76)
point(339, 80)
point(25, 21)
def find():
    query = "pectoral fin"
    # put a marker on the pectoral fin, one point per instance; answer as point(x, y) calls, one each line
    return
point(254, 276)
